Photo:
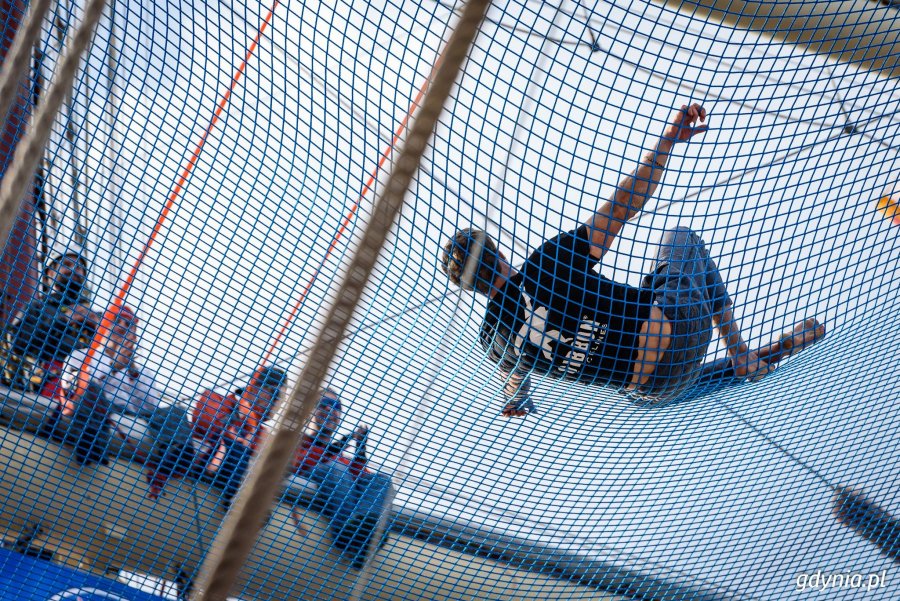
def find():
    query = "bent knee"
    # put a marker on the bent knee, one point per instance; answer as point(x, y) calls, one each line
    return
point(682, 235)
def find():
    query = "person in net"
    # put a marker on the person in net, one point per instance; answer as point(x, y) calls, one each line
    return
point(556, 315)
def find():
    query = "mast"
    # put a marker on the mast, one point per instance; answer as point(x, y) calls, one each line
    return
point(40, 176)
point(18, 270)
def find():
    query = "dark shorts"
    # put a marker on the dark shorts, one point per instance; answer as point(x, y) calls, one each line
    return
point(688, 289)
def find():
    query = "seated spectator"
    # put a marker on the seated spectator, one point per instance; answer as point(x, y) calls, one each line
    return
point(35, 344)
point(352, 498)
point(319, 443)
point(129, 387)
point(119, 384)
point(230, 428)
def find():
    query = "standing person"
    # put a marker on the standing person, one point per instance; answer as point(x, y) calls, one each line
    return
point(557, 316)
point(34, 346)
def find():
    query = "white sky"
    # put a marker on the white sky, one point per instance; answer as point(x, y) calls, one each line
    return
point(538, 132)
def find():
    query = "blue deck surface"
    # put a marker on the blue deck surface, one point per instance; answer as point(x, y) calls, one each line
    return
point(24, 578)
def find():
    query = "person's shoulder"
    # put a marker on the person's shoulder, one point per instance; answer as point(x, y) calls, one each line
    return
point(37, 309)
point(505, 303)
point(504, 315)
point(76, 358)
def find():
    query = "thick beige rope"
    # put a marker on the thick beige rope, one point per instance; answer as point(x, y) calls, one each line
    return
point(241, 529)
point(18, 59)
point(31, 147)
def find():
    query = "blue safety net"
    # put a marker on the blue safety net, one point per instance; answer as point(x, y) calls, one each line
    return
point(209, 177)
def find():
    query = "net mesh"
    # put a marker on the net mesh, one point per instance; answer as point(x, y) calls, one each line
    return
point(248, 142)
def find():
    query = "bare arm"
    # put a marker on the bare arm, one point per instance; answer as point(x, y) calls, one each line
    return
point(517, 392)
point(636, 189)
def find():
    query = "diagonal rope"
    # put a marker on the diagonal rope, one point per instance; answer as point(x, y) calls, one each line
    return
point(241, 529)
point(526, 108)
point(343, 227)
point(390, 146)
point(737, 175)
point(814, 472)
point(849, 505)
point(17, 61)
point(31, 148)
point(407, 441)
point(349, 216)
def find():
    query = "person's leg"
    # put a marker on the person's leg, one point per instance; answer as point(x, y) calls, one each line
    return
point(88, 430)
point(719, 374)
point(707, 378)
point(716, 375)
point(683, 278)
point(688, 314)
point(683, 254)
point(804, 335)
point(682, 251)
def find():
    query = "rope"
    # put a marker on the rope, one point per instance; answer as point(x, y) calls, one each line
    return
point(110, 314)
point(526, 108)
point(31, 148)
point(344, 224)
point(348, 217)
point(241, 529)
point(777, 446)
point(19, 57)
point(406, 442)
point(849, 506)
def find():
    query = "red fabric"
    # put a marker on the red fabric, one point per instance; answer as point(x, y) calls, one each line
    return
point(52, 387)
point(247, 429)
point(211, 415)
point(216, 417)
point(210, 422)
point(356, 466)
point(156, 482)
point(309, 455)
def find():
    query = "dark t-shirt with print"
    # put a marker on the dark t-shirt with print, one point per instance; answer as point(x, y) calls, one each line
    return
point(560, 317)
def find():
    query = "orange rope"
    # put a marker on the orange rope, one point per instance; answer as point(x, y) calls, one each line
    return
point(352, 212)
point(108, 317)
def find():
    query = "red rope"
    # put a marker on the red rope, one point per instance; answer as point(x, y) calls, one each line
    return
point(353, 210)
point(109, 315)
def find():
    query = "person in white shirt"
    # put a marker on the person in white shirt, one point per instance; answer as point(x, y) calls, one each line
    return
point(119, 384)
point(129, 387)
